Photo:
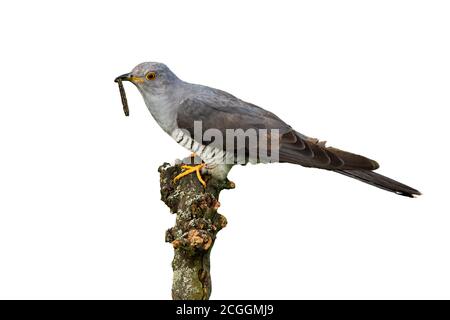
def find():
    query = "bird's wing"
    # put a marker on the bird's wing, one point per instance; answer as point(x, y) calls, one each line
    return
point(223, 111)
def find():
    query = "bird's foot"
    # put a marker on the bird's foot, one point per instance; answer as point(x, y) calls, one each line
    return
point(192, 169)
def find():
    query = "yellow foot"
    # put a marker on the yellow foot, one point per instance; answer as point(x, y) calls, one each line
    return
point(189, 170)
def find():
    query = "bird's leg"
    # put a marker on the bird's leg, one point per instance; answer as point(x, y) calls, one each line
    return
point(191, 169)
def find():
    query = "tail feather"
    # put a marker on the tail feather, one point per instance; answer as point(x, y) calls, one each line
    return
point(380, 181)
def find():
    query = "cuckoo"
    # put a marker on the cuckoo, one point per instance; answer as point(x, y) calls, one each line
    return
point(200, 118)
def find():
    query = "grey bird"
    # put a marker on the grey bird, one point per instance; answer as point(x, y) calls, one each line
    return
point(176, 106)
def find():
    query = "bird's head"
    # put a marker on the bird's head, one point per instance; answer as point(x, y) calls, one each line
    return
point(150, 77)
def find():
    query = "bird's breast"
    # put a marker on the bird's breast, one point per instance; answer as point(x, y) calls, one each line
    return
point(163, 111)
point(209, 154)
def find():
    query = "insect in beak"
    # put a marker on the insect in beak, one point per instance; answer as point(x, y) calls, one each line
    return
point(124, 77)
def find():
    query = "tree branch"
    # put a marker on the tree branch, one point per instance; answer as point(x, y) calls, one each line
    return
point(195, 230)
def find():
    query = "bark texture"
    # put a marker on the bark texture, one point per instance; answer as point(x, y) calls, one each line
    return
point(195, 230)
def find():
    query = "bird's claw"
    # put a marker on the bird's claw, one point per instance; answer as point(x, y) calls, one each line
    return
point(190, 169)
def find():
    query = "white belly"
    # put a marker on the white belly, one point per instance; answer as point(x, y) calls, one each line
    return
point(209, 154)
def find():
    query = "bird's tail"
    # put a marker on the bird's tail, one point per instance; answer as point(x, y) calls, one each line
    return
point(380, 181)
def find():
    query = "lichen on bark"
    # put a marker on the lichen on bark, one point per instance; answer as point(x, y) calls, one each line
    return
point(196, 227)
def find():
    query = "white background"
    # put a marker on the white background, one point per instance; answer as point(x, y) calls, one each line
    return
point(80, 210)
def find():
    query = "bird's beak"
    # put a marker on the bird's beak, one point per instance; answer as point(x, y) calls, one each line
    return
point(129, 77)
point(124, 77)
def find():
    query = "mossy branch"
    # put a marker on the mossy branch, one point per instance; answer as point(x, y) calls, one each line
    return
point(195, 230)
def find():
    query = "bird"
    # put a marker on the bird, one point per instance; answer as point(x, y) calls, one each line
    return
point(178, 107)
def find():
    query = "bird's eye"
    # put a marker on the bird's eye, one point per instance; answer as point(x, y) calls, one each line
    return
point(150, 76)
